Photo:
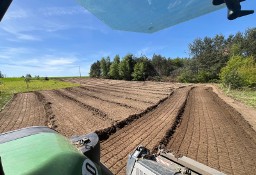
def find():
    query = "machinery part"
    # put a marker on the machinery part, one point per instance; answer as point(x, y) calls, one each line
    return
point(4, 5)
point(164, 163)
point(40, 150)
point(234, 8)
point(89, 145)
point(1, 167)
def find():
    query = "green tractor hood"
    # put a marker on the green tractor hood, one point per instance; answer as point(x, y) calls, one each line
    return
point(41, 151)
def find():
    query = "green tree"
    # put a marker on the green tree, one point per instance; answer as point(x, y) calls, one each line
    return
point(250, 42)
point(211, 55)
point(161, 65)
point(139, 71)
point(27, 80)
point(105, 66)
point(114, 68)
point(239, 72)
point(95, 70)
point(126, 67)
point(1, 75)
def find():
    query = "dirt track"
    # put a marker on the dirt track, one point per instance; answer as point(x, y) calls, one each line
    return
point(22, 111)
point(214, 134)
point(189, 121)
point(147, 131)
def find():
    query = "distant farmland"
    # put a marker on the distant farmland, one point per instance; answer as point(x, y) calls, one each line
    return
point(187, 119)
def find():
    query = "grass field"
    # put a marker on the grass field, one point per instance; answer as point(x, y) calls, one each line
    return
point(246, 96)
point(10, 86)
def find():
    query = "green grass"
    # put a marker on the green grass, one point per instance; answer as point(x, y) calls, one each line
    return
point(246, 96)
point(69, 77)
point(10, 86)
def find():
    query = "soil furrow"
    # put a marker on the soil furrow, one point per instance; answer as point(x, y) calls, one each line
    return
point(115, 94)
point(104, 98)
point(119, 145)
point(113, 112)
point(22, 111)
point(154, 89)
point(218, 139)
point(50, 117)
point(128, 91)
point(96, 111)
point(73, 118)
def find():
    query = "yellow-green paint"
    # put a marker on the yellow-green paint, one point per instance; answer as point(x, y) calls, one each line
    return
point(41, 154)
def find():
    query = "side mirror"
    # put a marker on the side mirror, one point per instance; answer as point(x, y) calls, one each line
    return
point(4, 5)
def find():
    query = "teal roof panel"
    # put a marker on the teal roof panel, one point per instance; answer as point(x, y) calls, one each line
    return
point(147, 16)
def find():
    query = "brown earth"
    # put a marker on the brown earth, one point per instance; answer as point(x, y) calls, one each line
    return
point(95, 105)
point(249, 113)
point(189, 121)
point(215, 134)
point(147, 130)
point(23, 110)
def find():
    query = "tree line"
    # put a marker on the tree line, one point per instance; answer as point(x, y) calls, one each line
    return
point(131, 67)
point(229, 60)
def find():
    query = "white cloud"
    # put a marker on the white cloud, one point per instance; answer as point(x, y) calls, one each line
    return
point(149, 51)
point(17, 14)
point(143, 51)
point(60, 61)
point(59, 11)
point(13, 52)
point(28, 37)
point(101, 54)
point(18, 30)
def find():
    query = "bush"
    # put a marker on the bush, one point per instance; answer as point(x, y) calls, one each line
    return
point(239, 72)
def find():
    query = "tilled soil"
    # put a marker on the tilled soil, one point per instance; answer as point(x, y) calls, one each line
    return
point(23, 110)
point(95, 105)
point(72, 118)
point(147, 131)
point(214, 134)
point(188, 121)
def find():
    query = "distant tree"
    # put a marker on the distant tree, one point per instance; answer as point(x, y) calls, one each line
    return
point(239, 72)
point(210, 55)
point(27, 80)
point(105, 66)
point(108, 64)
point(126, 67)
point(37, 77)
point(161, 65)
point(28, 76)
point(95, 70)
point(1, 75)
point(114, 68)
point(250, 42)
point(139, 71)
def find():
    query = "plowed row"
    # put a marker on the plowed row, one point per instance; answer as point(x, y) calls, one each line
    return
point(95, 105)
point(189, 121)
point(214, 134)
point(147, 131)
point(23, 110)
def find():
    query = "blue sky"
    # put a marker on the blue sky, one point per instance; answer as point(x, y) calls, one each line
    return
point(54, 38)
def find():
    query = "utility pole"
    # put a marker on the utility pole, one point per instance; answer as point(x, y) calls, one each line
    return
point(79, 71)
